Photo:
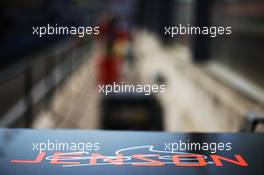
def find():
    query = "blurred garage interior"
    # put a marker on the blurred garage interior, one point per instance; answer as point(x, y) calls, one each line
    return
point(212, 84)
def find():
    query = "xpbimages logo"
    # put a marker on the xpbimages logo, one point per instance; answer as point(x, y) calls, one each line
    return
point(80, 31)
point(146, 155)
point(65, 146)
point(128, 88)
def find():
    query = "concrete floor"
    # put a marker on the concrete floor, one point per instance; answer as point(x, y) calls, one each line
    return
point(75, 103)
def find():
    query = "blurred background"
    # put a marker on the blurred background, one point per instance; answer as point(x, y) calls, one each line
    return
point(212, 84)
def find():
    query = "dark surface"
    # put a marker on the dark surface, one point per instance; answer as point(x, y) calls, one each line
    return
point(130, 111)
point(17, 144)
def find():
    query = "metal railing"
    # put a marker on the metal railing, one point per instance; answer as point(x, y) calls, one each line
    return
point(24, 84)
